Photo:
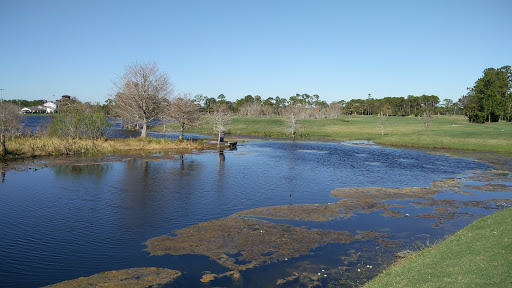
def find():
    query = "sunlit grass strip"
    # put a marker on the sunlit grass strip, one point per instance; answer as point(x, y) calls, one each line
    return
point(476, 256)
point(446, 132)
point(445, 142)
point(20, 147)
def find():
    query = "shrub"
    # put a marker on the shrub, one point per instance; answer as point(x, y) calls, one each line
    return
point(10, 119)
point(80, 121)
point(476, 117)
point(481, 117)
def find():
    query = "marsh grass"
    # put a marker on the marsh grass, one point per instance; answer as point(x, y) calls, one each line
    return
point(476, 256)
point(446, 132)
point(21, 147)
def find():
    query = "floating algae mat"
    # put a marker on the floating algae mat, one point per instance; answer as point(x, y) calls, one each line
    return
point(246, 239)
point(240, 243)
point(128, 278)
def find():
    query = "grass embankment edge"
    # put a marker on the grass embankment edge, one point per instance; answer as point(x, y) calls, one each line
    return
point(476, 256)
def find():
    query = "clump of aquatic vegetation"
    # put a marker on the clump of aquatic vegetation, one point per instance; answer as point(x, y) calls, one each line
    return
point(23, 146)
point(128, 278)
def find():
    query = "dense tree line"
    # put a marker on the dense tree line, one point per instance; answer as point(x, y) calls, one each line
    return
point(490, 99)
point(26, 103)
point(144, 93)
point(311, 106)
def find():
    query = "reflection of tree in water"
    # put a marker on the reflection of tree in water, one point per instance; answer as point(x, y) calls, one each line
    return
point(135, 176)
point(157, 192)
point(97, 170)
point(222, 159)
point(187, 167)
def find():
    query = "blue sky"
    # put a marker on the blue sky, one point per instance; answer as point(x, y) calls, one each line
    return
point(340, 50)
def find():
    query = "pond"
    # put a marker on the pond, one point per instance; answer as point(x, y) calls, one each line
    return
point(37, 123)
point(309, 203)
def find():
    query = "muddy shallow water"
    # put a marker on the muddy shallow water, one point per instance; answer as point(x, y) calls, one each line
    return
point(270, 213)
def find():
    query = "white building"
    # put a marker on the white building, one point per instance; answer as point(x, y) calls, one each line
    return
point(51, 107)
point(26, 110)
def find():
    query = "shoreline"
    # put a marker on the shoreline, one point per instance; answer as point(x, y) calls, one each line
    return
point(489, 157)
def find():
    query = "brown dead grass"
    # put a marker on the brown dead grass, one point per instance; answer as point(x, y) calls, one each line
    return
point(23, 147)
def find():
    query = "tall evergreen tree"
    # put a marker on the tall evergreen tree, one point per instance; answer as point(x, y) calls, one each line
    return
point(490, 98)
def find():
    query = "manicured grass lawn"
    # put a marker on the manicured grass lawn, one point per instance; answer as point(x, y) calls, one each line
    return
point(477, 256)
point(450, 132)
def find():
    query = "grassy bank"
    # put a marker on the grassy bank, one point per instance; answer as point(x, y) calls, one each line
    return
point(476, 256)
point(447, 132)
point(22, 147)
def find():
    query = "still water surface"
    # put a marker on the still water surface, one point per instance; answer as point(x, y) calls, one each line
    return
point(68, 221)
point(36, 123)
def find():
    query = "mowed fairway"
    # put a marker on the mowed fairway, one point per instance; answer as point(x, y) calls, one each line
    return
point(449, 132)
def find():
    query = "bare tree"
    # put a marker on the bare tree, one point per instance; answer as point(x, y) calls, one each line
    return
point(141, 93)
point(335, 110)
point(10, 123)
point(427, 118)
point(221, 120)
point(382, 123)
point(292, 115)
point(184, 111)
point(10, 119)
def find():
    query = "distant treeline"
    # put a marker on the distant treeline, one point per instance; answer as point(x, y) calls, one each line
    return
point(314, 107)
point(26, 103)
point(489, 100)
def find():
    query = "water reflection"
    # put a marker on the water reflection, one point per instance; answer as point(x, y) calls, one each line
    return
point(94, 217)
point(35, 124)
point(97, 170)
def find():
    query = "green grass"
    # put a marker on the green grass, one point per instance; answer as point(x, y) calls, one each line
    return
point(477, 256)
point(447, 132)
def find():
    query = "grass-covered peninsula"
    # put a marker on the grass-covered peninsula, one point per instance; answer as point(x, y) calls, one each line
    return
point(23, 147)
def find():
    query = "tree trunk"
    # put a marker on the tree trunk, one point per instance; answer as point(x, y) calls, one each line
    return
point(182, 130)
point(2, 144)
point(144, 128)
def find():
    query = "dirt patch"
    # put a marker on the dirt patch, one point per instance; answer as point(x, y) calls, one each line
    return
point(129, 278)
